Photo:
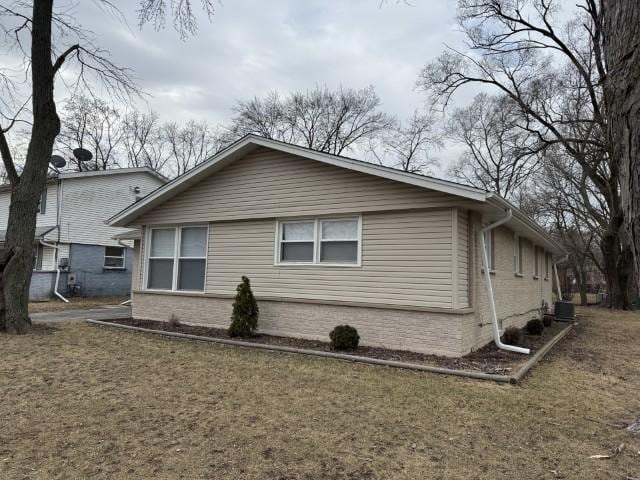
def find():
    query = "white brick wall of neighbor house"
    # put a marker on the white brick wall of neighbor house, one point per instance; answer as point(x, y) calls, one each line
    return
point(411, 276)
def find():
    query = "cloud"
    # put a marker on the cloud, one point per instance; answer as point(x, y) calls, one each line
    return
point(251, 47)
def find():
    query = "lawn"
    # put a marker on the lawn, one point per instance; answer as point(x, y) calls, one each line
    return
point(75, 303)
point(89, 402)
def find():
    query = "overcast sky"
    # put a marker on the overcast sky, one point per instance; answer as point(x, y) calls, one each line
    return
point(253, 46)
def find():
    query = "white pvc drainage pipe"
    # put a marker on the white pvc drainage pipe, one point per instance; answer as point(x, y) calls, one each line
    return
point(55, 288)
point(487, 276)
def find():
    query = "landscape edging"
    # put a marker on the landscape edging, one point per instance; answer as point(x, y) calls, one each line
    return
point(511, 379)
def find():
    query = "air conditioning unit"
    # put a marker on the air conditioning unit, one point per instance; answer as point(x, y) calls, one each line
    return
point(63, 263)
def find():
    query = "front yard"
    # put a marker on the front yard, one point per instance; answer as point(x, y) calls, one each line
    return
point(88, 402)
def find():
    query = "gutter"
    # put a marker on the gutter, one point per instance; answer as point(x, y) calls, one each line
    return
point(55, 288)
point(487, 276)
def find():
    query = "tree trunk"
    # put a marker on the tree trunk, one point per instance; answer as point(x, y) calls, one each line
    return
point(621, 45)
point(617, 264)
point(582, 284)
point(25, 195)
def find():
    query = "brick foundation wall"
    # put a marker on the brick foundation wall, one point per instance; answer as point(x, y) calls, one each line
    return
point(418, 331)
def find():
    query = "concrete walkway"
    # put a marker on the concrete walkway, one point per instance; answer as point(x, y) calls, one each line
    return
point(99, 313)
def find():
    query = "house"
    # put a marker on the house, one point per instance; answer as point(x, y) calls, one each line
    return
point(328, 240)
point(71, 231)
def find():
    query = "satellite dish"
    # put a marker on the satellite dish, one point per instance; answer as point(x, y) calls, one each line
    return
point(82, 155)
point(57, 161)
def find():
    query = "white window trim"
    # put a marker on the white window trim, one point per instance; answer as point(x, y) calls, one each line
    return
point(317, 240)
point(176, 257)
point(123, 257)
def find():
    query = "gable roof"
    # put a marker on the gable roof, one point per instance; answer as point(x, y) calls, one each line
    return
point(249, 143)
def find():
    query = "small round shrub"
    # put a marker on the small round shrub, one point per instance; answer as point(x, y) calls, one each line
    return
point(535, 326)
point(547, 320)
point(344, 337)
point(512, 336)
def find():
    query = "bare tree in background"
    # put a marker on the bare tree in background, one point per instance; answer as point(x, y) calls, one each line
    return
point(143, 141)
point(409, 146)
point(324, 120)
point(500, 155)
point(95, 125)
point(554, 73)
point(48, 40)
point(189, 145)
point(569, 204)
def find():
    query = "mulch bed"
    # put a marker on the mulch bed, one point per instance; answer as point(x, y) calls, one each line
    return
point(488, 359)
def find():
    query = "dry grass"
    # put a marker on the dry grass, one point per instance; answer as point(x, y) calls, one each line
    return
point(591, 298)
point(88, 402)
point(75, 303)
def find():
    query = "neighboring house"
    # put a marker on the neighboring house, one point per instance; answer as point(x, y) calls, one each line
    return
point(71, 231)
point(328, 240)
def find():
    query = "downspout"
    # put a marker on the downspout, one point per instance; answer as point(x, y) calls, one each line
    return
point(126, 302)
point(555, 272)
point(55, 288)
point(487, 276)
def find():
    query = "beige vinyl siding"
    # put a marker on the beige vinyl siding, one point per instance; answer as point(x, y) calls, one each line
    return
point(463, 259)
point(267, 184)
point(406, 260)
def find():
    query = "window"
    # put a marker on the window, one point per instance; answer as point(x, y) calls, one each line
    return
point(339, 241)
point(489, 238)
point(114, 258)
point(328, 241)
point(536, 259)
point(42, 206)
point(182, 268)
point(518, 243)
point(518, 255)
point(547, 258)
point(297, 242)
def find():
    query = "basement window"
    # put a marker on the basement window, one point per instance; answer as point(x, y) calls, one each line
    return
point(114, 258)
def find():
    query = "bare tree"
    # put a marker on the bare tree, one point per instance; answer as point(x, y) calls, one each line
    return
point(143, 141)
point(93, 124)
point(48, 40)
point(409, 146)
point(189, 145)
point(499, 154)
point(554, 73)
point(324, 120)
